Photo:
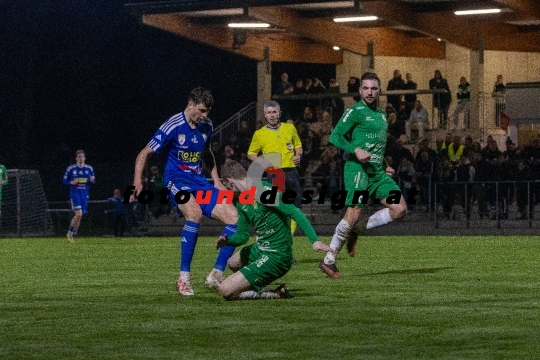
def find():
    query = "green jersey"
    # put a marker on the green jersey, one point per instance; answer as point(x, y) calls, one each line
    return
point(3, 176)
point(272, 226)
point(362, 127)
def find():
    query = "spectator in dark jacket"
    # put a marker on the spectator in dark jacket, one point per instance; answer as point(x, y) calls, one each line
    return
point(441, 100)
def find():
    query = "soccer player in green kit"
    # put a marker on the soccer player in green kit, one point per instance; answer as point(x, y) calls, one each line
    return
point(271, 256)
point(361, 132)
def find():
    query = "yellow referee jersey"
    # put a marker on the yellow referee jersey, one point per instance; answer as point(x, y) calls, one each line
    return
point(282, 140)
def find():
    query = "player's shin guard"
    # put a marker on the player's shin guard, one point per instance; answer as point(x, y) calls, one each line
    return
point(225, 252)
point(188, 239)
point(380, 218)
point(339, 238)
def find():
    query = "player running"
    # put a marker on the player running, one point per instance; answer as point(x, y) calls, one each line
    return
point(361, 132)
point(186, 136)
point(270, 257)
point(79, 176)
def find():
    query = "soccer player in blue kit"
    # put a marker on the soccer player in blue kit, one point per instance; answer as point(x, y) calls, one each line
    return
point(187, 135)
point(79, 176)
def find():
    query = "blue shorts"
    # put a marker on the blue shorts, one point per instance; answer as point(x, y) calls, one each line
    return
point(193, 184)
point(79, 200)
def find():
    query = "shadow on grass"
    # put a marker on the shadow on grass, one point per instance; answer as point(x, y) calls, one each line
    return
point(310, 261)
point(409, 271)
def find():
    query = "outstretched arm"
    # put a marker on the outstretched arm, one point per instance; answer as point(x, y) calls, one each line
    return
point(211, 165)
point(320, 246)
point(240, 237)
point(140, 163)
point(305, 225)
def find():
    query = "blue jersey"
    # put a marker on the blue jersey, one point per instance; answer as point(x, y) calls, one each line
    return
point(186, 146)
point(82, 174)
point(118, 204)
point(184, 168)
point(79, 193)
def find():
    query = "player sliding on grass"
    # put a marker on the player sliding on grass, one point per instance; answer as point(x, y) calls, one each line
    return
point(270, 257)
point(186, 136)
point(361, 132)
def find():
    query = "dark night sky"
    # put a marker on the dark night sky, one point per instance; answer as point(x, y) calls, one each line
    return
point(85, 74)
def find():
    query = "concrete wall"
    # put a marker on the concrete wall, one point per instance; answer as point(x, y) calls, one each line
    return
point(459, 61)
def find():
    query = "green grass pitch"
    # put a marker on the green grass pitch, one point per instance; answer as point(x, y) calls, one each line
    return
point(401, 298)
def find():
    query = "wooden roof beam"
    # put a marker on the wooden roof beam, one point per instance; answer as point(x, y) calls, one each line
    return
point(387, 42)
point(462, 31)
point(526, 7)
point(282, 48)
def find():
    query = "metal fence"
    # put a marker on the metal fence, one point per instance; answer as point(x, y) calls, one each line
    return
point(229, 127)
point(455, 206)
point(479, 204)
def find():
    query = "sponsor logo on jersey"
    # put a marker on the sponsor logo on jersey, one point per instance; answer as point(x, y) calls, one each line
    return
point(194, 139)
point(181, 139)
point(289, 147)
point(346, 115)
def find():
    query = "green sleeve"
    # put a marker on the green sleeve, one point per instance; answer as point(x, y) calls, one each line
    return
point(4, 171)
point(343, 127)
point(300, 218)
point(241, 236)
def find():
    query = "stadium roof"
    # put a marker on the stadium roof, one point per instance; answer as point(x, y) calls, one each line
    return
point(304, 31)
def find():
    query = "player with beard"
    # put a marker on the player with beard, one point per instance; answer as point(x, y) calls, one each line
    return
point(361, 132)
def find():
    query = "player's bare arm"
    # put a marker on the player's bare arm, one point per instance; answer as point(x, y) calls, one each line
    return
point(214, 172)
point(389, 170)
point(296, 158)
point(362, 155)
point(140, 163)
point(320, 246)
point(211, 166)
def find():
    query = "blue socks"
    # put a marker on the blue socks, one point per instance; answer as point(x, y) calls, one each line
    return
point(188, 239)
point(72, 231)
point(225, 252)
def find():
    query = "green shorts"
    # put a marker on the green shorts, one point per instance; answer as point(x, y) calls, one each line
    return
point(377, 183)
point(261, 269)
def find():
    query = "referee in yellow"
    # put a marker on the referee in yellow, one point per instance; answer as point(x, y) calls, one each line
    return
point(277, 137)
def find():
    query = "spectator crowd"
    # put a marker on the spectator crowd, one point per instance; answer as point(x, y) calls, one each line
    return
point(454, 172)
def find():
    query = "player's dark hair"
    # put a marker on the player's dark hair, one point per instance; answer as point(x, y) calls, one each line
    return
point(233, 170)
point(79, 152)
point(200, 95)
point(370, 76)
